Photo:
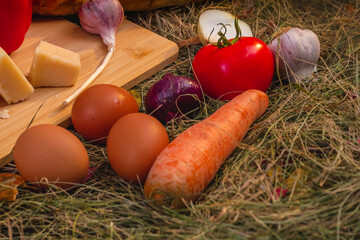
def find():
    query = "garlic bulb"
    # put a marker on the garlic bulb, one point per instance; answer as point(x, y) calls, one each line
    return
point(102, 17)
point(99, 17)
point(296, 53)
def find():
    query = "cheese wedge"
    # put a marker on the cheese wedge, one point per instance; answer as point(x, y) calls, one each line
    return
point(14, 87)
point(54, 66)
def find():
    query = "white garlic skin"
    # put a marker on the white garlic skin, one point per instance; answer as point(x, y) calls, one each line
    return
point(102, 17)
point(296, 52)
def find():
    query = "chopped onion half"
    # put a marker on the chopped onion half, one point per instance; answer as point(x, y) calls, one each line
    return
point(210, 23)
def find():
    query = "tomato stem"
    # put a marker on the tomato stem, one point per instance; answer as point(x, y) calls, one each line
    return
point(238, 31)
point(223, 41)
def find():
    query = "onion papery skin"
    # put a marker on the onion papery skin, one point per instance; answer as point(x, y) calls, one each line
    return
point(172, 97)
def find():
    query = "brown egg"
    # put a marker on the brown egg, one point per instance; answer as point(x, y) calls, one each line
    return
point(96, 110)
point(52, 152)
point(133, 144)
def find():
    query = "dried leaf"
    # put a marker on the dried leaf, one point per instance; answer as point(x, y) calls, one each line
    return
point(276, 174)
point(297, 178)
point(8, 186)
point(188, 42)
point(349, 7)
point(137, 97)
point(293, 183)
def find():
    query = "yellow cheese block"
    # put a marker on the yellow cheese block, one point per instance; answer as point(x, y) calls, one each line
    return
point(54, 66)
point(14, 87)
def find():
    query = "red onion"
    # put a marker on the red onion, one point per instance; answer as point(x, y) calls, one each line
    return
point(173, 97)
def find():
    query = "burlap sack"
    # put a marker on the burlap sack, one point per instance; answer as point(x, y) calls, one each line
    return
point(68, 7)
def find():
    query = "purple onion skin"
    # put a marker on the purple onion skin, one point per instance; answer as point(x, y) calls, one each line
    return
point(169, 95)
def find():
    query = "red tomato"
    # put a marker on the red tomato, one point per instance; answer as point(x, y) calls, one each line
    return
point(96, 110)
point(226, 72)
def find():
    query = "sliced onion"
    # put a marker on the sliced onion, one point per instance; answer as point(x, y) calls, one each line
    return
point(173, 97)
point(210, 23)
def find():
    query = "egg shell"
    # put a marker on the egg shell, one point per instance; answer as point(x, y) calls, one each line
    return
point(96, 110)
point(133, 144)
point(52, 152)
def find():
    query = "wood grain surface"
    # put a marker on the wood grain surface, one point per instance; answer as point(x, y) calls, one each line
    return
point(139, 54)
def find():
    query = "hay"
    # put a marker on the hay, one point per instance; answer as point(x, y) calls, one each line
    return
point(313, 126)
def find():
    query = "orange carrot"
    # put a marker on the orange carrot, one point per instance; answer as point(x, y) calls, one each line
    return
point(188, 164)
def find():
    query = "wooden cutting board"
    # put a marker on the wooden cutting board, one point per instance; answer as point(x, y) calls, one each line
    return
point(139, 54)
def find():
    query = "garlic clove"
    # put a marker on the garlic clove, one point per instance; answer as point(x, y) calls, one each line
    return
point(99, 17)
point(208, 26)
point(296, 53)
point(102, 17)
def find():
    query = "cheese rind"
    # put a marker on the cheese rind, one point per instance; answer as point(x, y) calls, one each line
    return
point(54, 66)
point(14, 87)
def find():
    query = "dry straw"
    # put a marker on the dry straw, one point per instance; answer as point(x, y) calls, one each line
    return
point(313, 126)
